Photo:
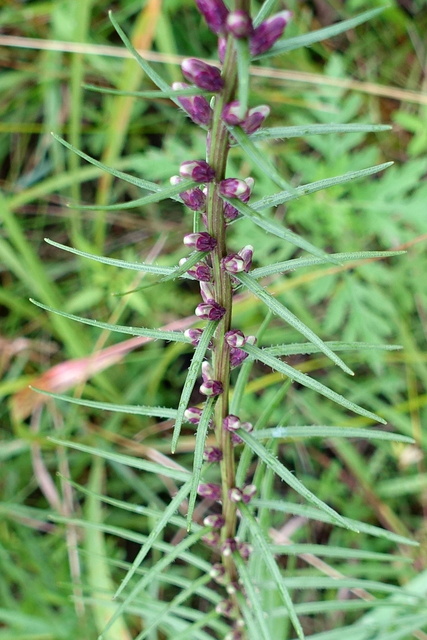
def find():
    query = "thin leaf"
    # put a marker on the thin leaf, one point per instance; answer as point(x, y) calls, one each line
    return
point(312, 513)
point(298, 263)
point(172, 93)
point(289, 44)
point(264, 11)
point(202, 429)
point(317, 431)
point(134, 266)
point(128, 461)
point(193, 372)
point(305, 189)
point(243, 63)
point(280, 310)
point(271, 564)
point(139, 410)
point(169, 511)
point(287, 476)
point(253, 599)
point(156, 334)
point(259, 158)
point(305, 380)
point(308, 348)
point(345, 553)
point(280, 133)
point(314, 582)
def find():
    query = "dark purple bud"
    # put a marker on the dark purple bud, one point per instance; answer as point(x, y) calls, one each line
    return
point(255, 118)
point(233, 188)
point(209, 490)
point(222, 48)
point(266, 34)
point(215, 520)
point(228, 546)
point(235, 494)
point(200, 241)
point(203, 75)
point(194, 335)
point(201, 272)
point(211, 388)
point(212, 539)
point(210, 311)
point(212, 454)
point(193, 414)
point(231, 114)
point(235, 338)
point(207, 291)
point(245, 550)
point(207, 371)
point(230, 212)
point(197, 107)
point(248, 492)
point(231, 423)
point(239, 24)
point(214, 12)
point(233, 263)
point(247, 426)
point(218, 573)
point(246, 254)
point(197, 170)
point(195, 199)
point(237, 356)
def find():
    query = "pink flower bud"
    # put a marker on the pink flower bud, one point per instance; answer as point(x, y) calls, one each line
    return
point(197, 107)
point(245, 550)
point(212, 454)
point(200, 241)
point(194, 335)
point(246, 254)
point(230, 212)
point(239, 24)
point(211, 388)
point(250, 340)
point(235, 494)
point(231, 114)
point(214, 12)
point(201, 272)
point(195, 199)
point(218, 573)
point(233, 263)
point(207, 291)
point(209, 490)
point(248, 492)
point(231, 423)
point(212, 539)
point(215, 520)
point(222, 47)
point(233, 188)
point(237, 356)
point(255, 118)
point(197, 170)
point(235, 338)
point(266, 34)
point(193, 414)
point(246, 426)
point(209, 311)
point(207, 371)
point(228, 546)
point(203, 75)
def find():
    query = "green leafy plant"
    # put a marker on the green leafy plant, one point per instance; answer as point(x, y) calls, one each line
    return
point(238, 582)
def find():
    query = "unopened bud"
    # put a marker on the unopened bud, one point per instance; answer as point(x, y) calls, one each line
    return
point(235, 338)
point(215, 520)
point(231, 423)
point(233, 188)
point(266, 34)
point(214, 12)
point(197, 107)
point(255, 118)
point(212, 454)
point(231, 114)
point(209, 490)
point(193, 415)
point(211, 388)
point(233, 263)
point(197, 170)
point(194, 335)
point(237, 356)
point(203, 75)
point(210, 311)
point(200, 241)
point(239, 24)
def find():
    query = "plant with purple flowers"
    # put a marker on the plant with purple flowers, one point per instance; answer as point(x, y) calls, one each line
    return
point(230, 458)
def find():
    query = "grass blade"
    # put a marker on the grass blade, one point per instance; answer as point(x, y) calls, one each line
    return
point(287, 476)
point(298, 131)
point(193, 372)
point(172, 93)
point(305, 348)
point(280, 310)
point(317, 431)
point(253, 598)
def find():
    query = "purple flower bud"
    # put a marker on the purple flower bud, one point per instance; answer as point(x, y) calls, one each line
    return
point(239, 24)
point(266, 34)
point(228, 546)
point(231, 423)
point(235, 494)
point(235, 338)
point(211, 388)
point(250, 340)
point(232, 588)
point(215, 520)
point(207, 291)
point(195, 199)
point(231, 113)
point(212, 539)
point(237, 356)
point(246, 254)
point(245, 550)
point(233, 188)
point(247, 426)
point(200, 241)
point(214, 12)
point(197, 107)
point(230, 212)
point(194, 335)
point(233, 263)
point(210, 311)
point(201, 272)
point(226, 608)
point(209, 490)
point(212, 454)
point(255, 118)
point(218, 573)
point(222, 47)
point(250, 182)
point(207, 371)
point(193, 414)
point(197, 170)
point(203, 75)
point(248, 493)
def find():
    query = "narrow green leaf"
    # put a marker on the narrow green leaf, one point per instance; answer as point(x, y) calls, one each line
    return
point(276, 229)
point(192, 374)
point(156, 334)
point(317, 431)
point(139, 410)
point(326, 551)
point(134, 266)
point(264, 11)
point(169, 511)
point(279, 309)
point(243, 63)
point(190, 91)
point(308, 348)
point(289, 44)
point(305, 380)
point(315, 514)
point(271, 564)
point(202, 429)
point(253, 599)
point(287, 476)
point(129, 461)
point(279, 133)
point(259, 158)
point(314, 582)
point(298, 263)
point(305, 189)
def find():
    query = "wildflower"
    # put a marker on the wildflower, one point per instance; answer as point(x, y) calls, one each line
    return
point(235, 338)
point(228, 546)
point(237, 356)
point(231, 114)
point(197, 107)
point(239, 24)
point(215, 520)
point(209, 490)
point(233, 263)
point(194, 199)
point(212, 454)
point(231, 423)
point(203, 75)
point(266, 34)
point(197, 170)
point(211, 388)
point(200, 241)
point(193, 415)
point(234, 188)
point(255, 118)
point(218, 573)
point(214, 12)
